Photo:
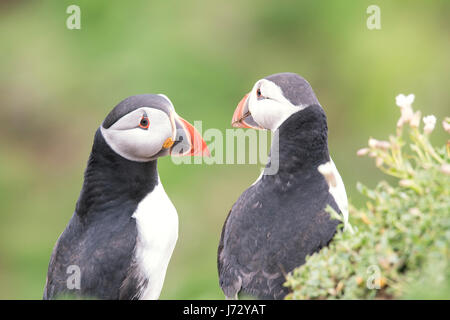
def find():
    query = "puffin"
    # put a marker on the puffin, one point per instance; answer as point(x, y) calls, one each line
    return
point(120, 238)
point(281, 218)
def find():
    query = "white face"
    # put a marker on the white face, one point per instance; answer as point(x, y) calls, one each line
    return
point(268, 106)
point(139, 135)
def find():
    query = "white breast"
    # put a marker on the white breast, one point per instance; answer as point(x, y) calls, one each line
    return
point(340, 196)
point(157, 224)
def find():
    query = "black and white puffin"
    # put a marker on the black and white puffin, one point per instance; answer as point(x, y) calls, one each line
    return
point(281, 218)
point(124, 228)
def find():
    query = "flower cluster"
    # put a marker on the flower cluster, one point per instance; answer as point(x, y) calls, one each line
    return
point(400, 244)
point(388, 155)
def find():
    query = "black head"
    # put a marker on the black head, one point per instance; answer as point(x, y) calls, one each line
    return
point(144, 127)
point(295, 88)
point(272, 100)
point(132, 103)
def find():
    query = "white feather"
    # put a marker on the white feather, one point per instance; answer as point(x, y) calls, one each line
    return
point(157, 223)
point(272, 111)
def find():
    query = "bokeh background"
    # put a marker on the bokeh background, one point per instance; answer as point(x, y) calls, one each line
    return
point(57, 85)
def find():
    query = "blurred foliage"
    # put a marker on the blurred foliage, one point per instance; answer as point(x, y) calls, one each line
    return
point(400, 244)
point(57, 85)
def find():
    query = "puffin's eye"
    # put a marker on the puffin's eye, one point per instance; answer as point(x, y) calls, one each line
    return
point(258, 93)
point(145, 123)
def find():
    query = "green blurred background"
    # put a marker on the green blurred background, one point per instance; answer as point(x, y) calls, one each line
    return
point(57, 85)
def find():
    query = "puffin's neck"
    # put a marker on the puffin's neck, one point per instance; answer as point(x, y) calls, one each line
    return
point(302, 142)
point(113, 183)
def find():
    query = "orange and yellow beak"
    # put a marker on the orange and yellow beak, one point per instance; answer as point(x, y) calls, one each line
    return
point(198, 145)
point(188, 141)
point(242, 117)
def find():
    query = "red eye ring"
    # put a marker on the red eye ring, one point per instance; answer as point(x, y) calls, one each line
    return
point(144, 123)
point(258, 93)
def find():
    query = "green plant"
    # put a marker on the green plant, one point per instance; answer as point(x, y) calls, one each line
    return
point(400, 244)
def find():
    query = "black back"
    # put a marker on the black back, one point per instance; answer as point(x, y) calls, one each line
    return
point(281, 219)
point(101, 236)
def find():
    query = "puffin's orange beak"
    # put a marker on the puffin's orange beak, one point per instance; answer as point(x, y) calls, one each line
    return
point(238, 117)
point(198, 145)
point(241, 114)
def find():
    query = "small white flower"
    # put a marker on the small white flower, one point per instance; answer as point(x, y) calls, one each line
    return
point(383, 145)
point(404, 101)
point(373, 143)
point(430, 122)
point(326, 170)
point(362, 152)
point(446, 124)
